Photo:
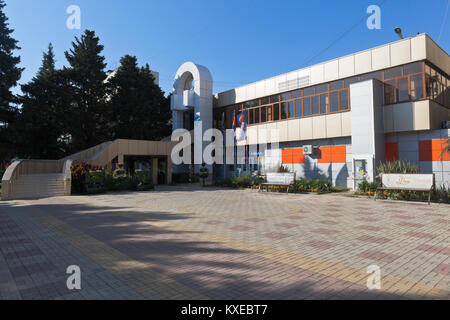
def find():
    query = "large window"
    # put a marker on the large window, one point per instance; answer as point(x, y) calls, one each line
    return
point(410, 82)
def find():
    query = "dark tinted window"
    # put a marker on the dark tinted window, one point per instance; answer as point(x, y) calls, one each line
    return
point(256, 115)
point(315, 104)
point(334, 101)
point(336, 85)
point(297, 93)
point(307, 106)
point(343, 99)
point(393, 72)
point(274, 99)
point(403, 89)
point(262, 115)
point(324, 103)
point(264, 101)
point(298, 108)
point(416, 87)
point(291, 109)
point(411, 68)
point(373, 75)
point(322, 88)
point(389, 92)
point(285, 96)
point(283, 110)
point(349, 81)
point(276, 112)
point(308, 91)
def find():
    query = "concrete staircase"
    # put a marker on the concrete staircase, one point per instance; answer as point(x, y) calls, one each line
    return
point(34, 186)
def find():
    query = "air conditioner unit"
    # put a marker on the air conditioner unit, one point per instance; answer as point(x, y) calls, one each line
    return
point(308, 149)
point(446, 124)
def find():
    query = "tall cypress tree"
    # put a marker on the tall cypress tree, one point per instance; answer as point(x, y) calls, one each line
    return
point(40, 122)
point(86, 75)
point(137, 106)
point(9, 75)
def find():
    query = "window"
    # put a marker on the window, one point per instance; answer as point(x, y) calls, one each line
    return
point(250, 116)
point(285, 96)
point(257, 115)
point(334, 101)
point(343, 100)
point(389, 92)
point(322, 88)
point(315, 104)
point(373, 75)
point(276, 112)
point(291, 109)
point(308, 91)
point(283, 110)
point(324, 103)
point(263, 114)
point(335, 85)
point(416, 87)
point(264, 101)
point(349, 81)
point(412, 68)
point(298, 108)
point(297, 93)
point(269, 113)
point(393, 73)
point(403, 94)
point(274, 99)
point(307, 106)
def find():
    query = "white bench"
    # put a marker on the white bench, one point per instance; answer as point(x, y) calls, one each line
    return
point(407, 181)
point(278, 179)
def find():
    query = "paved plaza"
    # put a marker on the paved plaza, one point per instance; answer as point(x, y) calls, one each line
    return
point(186, 242)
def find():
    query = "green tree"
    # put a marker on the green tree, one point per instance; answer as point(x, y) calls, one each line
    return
point(137, 106)
point(85, 114)
point(40, 122)
point(9, 75)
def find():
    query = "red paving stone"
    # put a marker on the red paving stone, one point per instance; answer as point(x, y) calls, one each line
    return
point(255, 219)
point(213, 222)
point(403, 217)
point(331, 215)
point(241, 228)
point(379, 240)
point(367, 213)
point(435, 249)
point(442, 221)
point(287, 225)
point(378, 256)
point(367, 219)
point(319, 244)
point(434, 215)
point(325, 231)
point(330, 222)
point(295, 217)
point(370, 228)
point(421, 235)
point(443, 268)
point(275, 235)
point(409, 224)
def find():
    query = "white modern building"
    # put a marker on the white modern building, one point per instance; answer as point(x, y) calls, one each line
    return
point(335, 120)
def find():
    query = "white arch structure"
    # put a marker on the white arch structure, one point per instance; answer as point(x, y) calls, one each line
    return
point(192, 91)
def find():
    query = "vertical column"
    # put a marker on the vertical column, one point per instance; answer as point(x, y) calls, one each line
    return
point(155, 170)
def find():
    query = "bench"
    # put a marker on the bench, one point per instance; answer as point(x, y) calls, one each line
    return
point(278, 179)
point(407, 181)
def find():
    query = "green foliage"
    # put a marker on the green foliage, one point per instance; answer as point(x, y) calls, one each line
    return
point(283, 169)
point(204, 173)
point(144, 180)
point(365, 186)
point(120, 183)
point(94, 181)
point(79, 171)
point(9, 76)
point(242, 181)
point(398, 166)
point(320, 186)
point(119, 173)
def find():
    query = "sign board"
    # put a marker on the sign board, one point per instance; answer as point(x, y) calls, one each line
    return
point(281, 178)
point(407, 181)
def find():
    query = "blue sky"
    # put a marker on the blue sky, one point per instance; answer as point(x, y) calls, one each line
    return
point(240, 41)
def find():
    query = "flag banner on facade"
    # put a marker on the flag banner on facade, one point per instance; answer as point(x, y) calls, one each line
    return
point(241, 130)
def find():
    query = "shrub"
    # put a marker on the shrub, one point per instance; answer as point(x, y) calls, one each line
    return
point(79, 170)
point(242, 181)
point(324, 186)
point(366, 186)
point(320, 186)
point(398, 166)
point(283, 169)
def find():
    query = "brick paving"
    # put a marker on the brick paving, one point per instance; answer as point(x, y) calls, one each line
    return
point(184, 242)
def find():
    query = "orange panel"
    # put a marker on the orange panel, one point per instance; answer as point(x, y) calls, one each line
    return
point(431, 150)
point(338, 154)
point(391, 151)
point(289, 156)
point(332, 154)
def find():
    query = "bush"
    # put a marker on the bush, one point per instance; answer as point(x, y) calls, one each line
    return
point(398, 166)
point(242, 181)
point(79, 170)
point(366, 186)
point(283, 169)
point(320, 186)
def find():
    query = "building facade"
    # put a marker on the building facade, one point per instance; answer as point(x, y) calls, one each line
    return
point(334, 120)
